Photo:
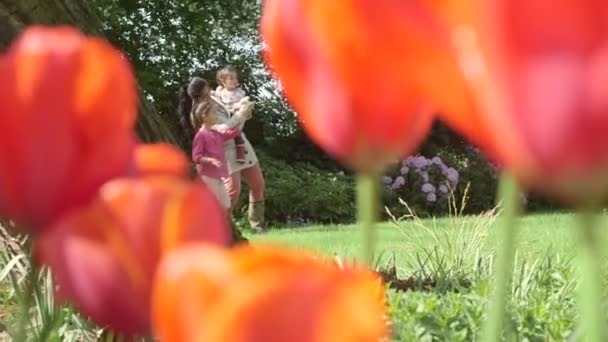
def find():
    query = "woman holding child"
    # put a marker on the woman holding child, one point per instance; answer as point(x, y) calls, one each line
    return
point(218, 117)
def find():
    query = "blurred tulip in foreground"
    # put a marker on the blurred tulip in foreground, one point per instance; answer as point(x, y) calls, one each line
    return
point(160, 159)
point(538, 72)
point(264, 293)
point(67, 111)
point(350, 70)
point(104, 257)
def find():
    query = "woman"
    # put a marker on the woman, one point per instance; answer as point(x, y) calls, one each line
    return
point(199, 90)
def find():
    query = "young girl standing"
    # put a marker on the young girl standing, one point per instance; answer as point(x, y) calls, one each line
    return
point(208, 146)
point(208, 151)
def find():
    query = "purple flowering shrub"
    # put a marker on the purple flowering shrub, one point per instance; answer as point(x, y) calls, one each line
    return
point(428, 183)
point(425, 183)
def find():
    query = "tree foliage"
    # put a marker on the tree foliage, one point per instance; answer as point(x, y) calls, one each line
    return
point(17, 15)
point(169, 41)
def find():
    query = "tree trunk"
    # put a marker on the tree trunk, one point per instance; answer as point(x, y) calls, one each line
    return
point(15, 15)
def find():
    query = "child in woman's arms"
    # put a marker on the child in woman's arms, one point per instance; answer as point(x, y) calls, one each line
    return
point(231, 94)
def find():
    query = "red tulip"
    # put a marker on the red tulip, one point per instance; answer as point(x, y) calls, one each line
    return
point(161, 159)
point(264, 294)
point(67, 111)
point(104, 257)
point(539, 74)
point(350, 72)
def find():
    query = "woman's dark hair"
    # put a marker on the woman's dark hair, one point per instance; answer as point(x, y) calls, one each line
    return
point(188, 94)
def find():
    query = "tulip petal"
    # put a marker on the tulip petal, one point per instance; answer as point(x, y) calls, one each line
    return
point(277, 288)
point(306, 72)
point(38, 127)
point(539, 56)
point(85, 270)
point(188, 282)
point(346, 78)
point(264, 293)
point(182, 219)
point(68, 106)
point(159, 159)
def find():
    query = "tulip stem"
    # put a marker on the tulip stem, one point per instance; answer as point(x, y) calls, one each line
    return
point(590, 289)
point(368, 186)
point(508, 194)
point(26, 300)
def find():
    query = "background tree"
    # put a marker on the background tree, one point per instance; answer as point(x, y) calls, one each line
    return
point(16, 15)
point(170, 41)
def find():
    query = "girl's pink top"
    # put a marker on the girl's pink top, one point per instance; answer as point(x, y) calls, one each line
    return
point(209, 143)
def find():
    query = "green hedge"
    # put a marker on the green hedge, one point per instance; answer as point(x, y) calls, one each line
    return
point(300, 193)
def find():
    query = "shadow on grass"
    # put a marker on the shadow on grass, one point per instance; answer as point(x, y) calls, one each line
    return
point(412, 283)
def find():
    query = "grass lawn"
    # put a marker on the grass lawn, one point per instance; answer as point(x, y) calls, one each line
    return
point(538, 235)
point(542, 306)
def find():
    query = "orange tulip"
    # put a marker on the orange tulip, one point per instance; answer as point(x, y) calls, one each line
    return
point(188, 283)
point(351, 71)
point(67, 110)
point(539, 76)
point(264, 294)
point(104, 257)
point(161, 159)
